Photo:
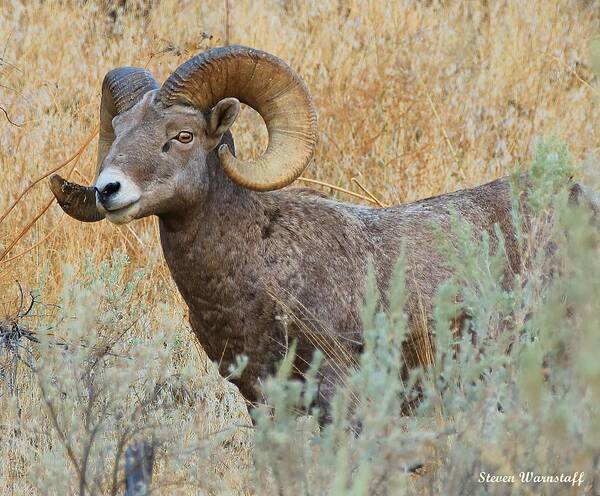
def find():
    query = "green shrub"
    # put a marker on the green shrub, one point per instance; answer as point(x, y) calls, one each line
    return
point(102, 379)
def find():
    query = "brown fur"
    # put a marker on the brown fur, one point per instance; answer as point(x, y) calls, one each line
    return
point(259, 270)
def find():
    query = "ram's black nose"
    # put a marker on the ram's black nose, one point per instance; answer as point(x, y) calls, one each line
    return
point(109, 190)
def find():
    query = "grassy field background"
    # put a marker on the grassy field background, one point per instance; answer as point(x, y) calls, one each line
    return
point(414, 98)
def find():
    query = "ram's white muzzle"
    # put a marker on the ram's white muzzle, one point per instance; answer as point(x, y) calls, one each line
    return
point(121, 206)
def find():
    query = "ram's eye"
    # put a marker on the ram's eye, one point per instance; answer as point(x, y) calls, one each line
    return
point(184, 137)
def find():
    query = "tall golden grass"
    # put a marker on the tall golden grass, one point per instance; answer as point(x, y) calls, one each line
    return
point(415, 98)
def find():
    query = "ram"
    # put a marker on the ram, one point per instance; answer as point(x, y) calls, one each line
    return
point(260, 266)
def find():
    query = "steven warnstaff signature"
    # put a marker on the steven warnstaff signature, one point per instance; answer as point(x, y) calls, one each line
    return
point(573, 479)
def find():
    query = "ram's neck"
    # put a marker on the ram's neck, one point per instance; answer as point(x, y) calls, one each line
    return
point(209, 241)
point(221, 212)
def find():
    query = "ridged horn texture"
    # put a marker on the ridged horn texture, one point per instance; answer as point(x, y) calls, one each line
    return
point(269, 86)
point(77, 201)
point(122, 88)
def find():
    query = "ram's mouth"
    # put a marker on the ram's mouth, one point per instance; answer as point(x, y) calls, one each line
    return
point(121, 215)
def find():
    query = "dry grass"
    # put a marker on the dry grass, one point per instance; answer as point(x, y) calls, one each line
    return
point(414, 99)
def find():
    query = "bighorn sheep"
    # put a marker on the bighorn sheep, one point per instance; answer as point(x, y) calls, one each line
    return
point(260, 266)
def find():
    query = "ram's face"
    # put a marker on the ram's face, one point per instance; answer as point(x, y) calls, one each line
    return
point(154, 151)
point(157, 161)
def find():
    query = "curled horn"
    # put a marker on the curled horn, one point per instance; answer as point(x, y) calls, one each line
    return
point(269, 86)
point(122, 88)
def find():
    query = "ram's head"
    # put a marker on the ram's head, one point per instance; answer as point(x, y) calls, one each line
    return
point(154, 141)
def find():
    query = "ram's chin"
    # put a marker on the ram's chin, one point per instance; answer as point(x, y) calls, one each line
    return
point(123, 215)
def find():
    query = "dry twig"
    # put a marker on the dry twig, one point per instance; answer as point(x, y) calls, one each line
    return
point(337, 188)
point(373, 197)
point(9, 119)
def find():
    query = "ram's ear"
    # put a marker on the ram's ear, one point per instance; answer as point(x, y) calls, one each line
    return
point(221, 117)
